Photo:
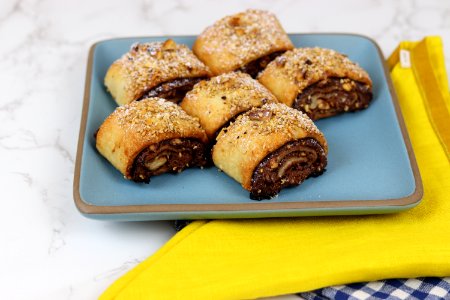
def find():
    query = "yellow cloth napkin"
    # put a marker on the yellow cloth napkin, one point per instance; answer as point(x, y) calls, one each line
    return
point(241, 259)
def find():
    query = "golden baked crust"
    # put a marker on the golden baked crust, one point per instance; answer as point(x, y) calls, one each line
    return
point(255, 134)
point(218, 100)
point(236, 40)
point(147, 65)
point(135, 126)
point(289, 74)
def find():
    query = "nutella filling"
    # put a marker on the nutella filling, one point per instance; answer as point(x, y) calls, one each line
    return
point(174, 90)
point(332, 96)
point(170, 156)
point(289, 165)
point(254, 67)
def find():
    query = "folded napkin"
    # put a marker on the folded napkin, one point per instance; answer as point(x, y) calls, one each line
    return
point(241, 259)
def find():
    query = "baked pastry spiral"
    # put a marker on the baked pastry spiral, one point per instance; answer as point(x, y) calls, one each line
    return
point(217, 101)
point(150, 137)
point(320, 82)
point(158, 69)
point(246, 41)
point(269, 148)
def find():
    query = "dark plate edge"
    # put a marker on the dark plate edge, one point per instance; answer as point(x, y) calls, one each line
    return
point(86, 208)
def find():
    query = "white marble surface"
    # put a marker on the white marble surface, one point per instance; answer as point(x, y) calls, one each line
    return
point(48, 250)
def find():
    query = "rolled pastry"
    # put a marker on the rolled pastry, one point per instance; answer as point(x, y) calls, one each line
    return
point(320, 82)
point(150, 137)
point(269, 148)
point(159, 69)
point(217, 101)
point(246, 41)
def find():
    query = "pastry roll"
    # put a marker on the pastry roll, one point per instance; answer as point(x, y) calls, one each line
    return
point(150, 137)
point(269, 148)
point(216, 102)
point(159, 69)
point(246, 41)
point(319, 82)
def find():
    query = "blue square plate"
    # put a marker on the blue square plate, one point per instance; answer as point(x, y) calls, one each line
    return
point(371, 165)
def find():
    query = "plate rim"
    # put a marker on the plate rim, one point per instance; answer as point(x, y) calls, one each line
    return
point(87, 208)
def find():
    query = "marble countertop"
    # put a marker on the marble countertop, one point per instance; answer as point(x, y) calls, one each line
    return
point(49, 251)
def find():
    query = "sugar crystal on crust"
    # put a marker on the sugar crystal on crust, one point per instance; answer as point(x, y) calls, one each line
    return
point(149, 64)
point(243, 88)
point(245, 36)
point(269, 119)
point(305, 66)
point(152, 117)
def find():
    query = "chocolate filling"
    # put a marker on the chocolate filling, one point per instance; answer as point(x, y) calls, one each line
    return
point(170, 156)
point(289, 165)
point(174, 90)
point(254, 67)
point(332, 96)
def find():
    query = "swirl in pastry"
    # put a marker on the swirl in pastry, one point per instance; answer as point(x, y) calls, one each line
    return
point(269, 148)
point(320, 82)
point(150, 137)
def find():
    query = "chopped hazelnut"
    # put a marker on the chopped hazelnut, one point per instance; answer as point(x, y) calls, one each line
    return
point(323, 104)
point(169, 45)
point(347, 87)
point(260, 115)
point(273, 164)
